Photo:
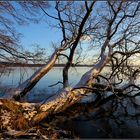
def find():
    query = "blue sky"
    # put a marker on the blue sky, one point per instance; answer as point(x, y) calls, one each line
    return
point(43, 34)
point(37, 33)
point(40, 34)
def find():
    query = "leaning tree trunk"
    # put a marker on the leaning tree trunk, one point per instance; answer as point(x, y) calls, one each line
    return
point(22, 89)
point(19, 92)
point(19, 116)
point(70, 96)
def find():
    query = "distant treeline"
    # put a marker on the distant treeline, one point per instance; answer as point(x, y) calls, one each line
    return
point(7, 64)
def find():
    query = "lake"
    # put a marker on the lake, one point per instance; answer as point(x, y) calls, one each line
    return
point(17, 75)
point(116, 125)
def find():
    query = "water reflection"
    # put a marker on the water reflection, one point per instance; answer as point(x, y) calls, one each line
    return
point(17, 75)
point(116, 119)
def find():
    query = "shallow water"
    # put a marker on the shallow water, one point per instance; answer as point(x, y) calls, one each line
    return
point(42, 89)
point(99, 127)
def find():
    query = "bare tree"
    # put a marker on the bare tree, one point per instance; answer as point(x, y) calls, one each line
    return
point(115, 30)
point(119, 15)
point(12, 14)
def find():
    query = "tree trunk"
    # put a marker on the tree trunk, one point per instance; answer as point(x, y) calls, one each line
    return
point(32, 81)
point(65, 77)
point(70, 96)
point(25, 87)
point(72, 50)
point(22, 89)
point(22, 116)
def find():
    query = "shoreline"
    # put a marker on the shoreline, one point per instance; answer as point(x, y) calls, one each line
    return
point(6, 64)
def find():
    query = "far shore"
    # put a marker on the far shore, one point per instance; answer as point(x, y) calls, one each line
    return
point(37, 65)
point(7, 64)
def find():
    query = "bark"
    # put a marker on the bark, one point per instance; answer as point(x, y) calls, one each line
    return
point(22, 116)
point(32, 81)
point(31, 114)
point(72, 50)
point(26, 86)
point(70, 96)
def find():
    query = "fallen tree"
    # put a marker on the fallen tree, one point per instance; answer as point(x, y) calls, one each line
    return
point(114, 50)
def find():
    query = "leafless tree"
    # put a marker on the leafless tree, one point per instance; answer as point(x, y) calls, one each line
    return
point(115, 31)
point(113, 38)
point(12, 14)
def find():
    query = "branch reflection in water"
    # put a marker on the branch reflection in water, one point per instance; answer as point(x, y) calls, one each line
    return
point(115, 117)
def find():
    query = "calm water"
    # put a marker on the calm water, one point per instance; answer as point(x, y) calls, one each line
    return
point(115, 126)
point(17, 75)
